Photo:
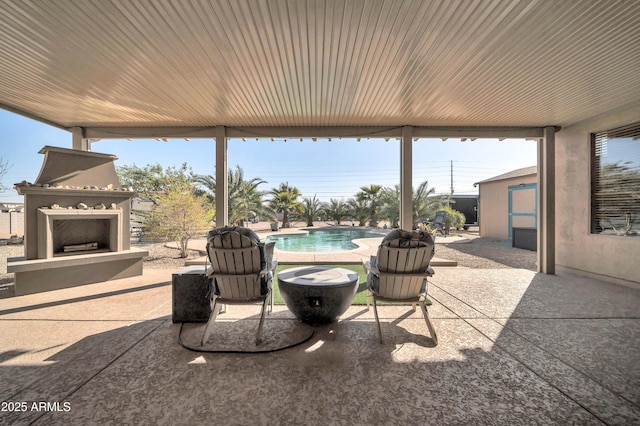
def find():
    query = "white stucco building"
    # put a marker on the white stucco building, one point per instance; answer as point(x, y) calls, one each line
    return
point(507, 201)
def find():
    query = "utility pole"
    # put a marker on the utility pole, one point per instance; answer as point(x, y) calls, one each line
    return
point(449, 202)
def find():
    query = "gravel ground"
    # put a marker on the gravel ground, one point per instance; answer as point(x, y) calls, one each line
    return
point(5, 252)
point(486, 253)
point(162, 257)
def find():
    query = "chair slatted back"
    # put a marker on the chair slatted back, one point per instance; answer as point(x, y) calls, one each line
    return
point(235, 261)
point(396, 286)
point(402, 270)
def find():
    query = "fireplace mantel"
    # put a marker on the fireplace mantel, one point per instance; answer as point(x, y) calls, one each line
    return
point(88, 193)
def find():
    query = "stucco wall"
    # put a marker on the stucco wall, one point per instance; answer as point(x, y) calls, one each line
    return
point(493, 205)
point(608, 257)
point(11, 223)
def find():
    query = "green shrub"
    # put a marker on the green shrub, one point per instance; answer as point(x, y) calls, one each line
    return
point(453, 219)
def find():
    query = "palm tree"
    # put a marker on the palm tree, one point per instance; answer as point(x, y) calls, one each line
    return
point(423, 203)
point(372, 195)
point(337, 210)
point(390, 208)
point(312, 209)
point(359, 210)
point(245, 200)
point(285, 199)
point(424, 206)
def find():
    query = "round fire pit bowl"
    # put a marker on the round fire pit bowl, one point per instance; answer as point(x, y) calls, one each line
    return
point(318, 294)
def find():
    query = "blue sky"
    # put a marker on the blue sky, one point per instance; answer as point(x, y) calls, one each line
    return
point(335, 169)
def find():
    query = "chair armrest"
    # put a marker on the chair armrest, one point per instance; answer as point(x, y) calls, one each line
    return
point(369, 266)
point(270, 268)
point(406, 274)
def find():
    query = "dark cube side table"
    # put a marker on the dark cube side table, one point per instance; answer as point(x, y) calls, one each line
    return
point(190, 287)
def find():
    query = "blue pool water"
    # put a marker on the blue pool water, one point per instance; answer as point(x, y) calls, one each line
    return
point(321, 240)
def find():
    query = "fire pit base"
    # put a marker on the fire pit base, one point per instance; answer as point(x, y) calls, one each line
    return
point(318, 294)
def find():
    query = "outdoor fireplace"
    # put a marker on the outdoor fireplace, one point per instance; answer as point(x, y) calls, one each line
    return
point(76, 224)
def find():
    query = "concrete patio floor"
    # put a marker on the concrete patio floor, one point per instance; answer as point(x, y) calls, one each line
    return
point(515, 347)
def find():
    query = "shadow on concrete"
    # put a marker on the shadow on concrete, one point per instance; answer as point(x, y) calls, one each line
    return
point(84, 298)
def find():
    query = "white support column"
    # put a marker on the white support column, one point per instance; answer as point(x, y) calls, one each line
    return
point(79, 141)
point(222, 186)
point(547, 202)
point(406, 178)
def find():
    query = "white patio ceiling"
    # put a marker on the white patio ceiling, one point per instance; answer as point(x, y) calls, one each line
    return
point(124, 63)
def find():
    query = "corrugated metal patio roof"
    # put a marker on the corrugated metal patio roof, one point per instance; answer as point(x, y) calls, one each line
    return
point(318, 62)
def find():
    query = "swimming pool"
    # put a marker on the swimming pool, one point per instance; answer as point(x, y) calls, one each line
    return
point(321, 240)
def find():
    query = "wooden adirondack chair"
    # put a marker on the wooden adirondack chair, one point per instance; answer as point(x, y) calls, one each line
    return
point(238, 276)
point(400, 275)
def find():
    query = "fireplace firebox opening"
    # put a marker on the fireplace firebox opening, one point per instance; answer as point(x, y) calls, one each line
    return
point(80, 236)
point(69, 232)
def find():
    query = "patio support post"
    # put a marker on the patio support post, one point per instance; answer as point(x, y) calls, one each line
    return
point(546, 202)
point(406, 177)
point(79, 141)
point(222, 186)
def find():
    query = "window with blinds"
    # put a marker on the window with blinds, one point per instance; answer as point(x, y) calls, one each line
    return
point(615, 181)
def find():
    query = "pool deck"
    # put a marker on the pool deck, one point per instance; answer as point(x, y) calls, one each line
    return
point(367, 247)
